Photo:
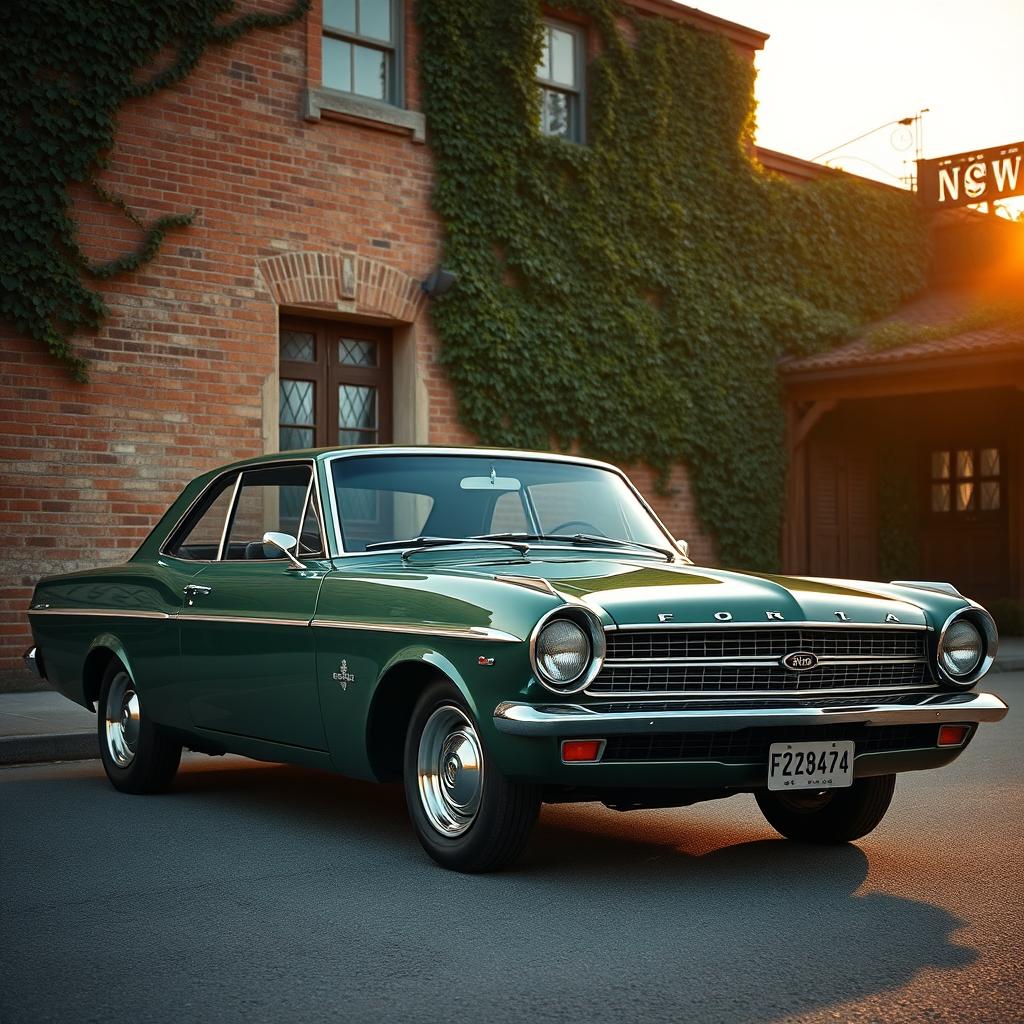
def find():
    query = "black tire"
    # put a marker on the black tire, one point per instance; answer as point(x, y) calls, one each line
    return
point(137, 755)
point(504, 813)
point(834, 816)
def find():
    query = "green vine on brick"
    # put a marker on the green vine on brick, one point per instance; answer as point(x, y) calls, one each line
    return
point(66, 68)
point(633, 295)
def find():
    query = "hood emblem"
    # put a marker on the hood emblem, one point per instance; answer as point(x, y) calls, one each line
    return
point(723, 616)
point(800, 661)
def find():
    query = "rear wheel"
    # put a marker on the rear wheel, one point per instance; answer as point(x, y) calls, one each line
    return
point(466, 814)
point(831, 815)
point(137, 756)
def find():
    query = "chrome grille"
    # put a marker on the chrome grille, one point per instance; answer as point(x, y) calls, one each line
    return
point(764, 643)
point(748, 660)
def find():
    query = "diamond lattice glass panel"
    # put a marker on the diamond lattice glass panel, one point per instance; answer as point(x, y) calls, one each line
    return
point(940, 465)
point(353, 352)
point(964, 496)
point(357, 414)
point(375, 19)
point(290, 438)
point(298, 347)
point(940, 497)
point(337, 64)
point(296, 397)
point(990, 462)
point(990, 495)
point(965, 463)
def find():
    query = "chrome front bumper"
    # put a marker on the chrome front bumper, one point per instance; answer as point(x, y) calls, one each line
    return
point(722, 716)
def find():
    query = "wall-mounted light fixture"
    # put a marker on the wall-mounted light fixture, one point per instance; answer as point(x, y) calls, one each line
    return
point(438, 282)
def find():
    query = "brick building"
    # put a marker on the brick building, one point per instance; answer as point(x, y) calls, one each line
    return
point(289, 313)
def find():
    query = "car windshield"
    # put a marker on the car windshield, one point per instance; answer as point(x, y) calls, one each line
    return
point(391, 498)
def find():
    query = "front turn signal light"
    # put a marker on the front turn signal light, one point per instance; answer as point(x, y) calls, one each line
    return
point(581, 751)
point(953, 735)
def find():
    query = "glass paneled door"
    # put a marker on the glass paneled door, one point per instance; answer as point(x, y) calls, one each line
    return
point(335, 384)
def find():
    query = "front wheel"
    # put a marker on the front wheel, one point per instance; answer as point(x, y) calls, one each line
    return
point(831, 815)
point(137, 756)
point(466, 814)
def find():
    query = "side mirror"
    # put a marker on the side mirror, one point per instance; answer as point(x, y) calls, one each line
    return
point(284, 542)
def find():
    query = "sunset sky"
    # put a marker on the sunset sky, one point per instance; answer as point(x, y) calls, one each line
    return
point(832, 70)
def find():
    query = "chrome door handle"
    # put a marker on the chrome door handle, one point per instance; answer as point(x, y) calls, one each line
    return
point(195, 590)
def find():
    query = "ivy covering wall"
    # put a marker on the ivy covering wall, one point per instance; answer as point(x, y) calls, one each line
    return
point(66, 67)
point(632, 296)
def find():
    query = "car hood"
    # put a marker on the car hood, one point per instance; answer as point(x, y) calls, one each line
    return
point(634, 592)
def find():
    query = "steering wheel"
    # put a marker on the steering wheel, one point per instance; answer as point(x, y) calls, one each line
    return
point(567, 527)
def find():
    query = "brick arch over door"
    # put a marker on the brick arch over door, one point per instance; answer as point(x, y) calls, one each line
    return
point(342, 283)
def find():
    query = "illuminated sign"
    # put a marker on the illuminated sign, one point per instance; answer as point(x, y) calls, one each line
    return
point(977, 177)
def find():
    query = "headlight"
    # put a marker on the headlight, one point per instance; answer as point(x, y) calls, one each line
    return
point(962, 648)
point(562, 653)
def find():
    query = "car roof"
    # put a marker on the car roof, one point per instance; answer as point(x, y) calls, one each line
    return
point(323, 454)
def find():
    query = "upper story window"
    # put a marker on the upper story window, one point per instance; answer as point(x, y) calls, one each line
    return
point(966, 480)
point(560, 77)
point(360, 49)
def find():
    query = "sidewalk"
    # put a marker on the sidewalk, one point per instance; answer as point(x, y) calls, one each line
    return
point(46, 726)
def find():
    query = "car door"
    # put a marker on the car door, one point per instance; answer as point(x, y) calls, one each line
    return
point(247, 648)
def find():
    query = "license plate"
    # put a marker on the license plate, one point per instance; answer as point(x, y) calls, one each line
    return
point(824, 765)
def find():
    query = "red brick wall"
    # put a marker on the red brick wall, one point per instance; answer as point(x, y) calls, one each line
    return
point(178, 368)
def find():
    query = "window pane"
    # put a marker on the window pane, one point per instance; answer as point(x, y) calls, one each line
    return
point(508, 515)
point(940, 497)
point(296, 398)
point(965, 463)
point(940, 465)
point(298, 346)
point(354, 352)
point(291, 438)
point(201, 542)
point(990, 462)
point(556, 114)
point(310, 540)
point(544, 68)
point(563, 61)
point(340, 14)
point(337, 73)
point(990, 495)
point(370, 69)
point(357, 414)
point(375, 19)
point(269, 499)
point(964, 497)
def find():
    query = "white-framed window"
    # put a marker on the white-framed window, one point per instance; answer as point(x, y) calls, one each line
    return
point(361, 52)
point(560, 77)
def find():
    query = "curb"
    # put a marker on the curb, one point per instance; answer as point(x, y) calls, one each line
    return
point(68, 746)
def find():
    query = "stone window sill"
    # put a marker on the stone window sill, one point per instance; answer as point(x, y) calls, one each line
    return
point(372, 113)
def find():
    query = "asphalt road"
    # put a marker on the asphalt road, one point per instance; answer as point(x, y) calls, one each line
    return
point(265, 893)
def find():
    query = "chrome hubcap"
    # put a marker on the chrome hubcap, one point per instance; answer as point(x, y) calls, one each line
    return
point(450, 771)
point(122, 715)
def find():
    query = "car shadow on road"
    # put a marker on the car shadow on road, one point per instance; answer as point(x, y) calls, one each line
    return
point(691, 917)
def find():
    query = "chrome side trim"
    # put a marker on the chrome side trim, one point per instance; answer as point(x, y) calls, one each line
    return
point(107, 612)
point(451, 632)
point(567, 720)
point(770, 624)
point(248, 620)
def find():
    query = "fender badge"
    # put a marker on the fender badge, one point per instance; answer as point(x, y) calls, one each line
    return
point(484, 661)
point(343, 675)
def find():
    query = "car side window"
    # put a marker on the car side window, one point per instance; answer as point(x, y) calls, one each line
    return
point(273, 499)
point(198, 537)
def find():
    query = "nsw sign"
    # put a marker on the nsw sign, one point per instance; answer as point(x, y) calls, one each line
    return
point(976, 177)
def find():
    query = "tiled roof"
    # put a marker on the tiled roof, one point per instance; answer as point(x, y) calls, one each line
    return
point(934, 308)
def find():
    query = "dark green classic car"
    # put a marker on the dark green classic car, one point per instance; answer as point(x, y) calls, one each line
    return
point(499, 629)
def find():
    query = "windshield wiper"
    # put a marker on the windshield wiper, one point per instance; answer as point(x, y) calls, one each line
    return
point(413, 543)
point(581, 538)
